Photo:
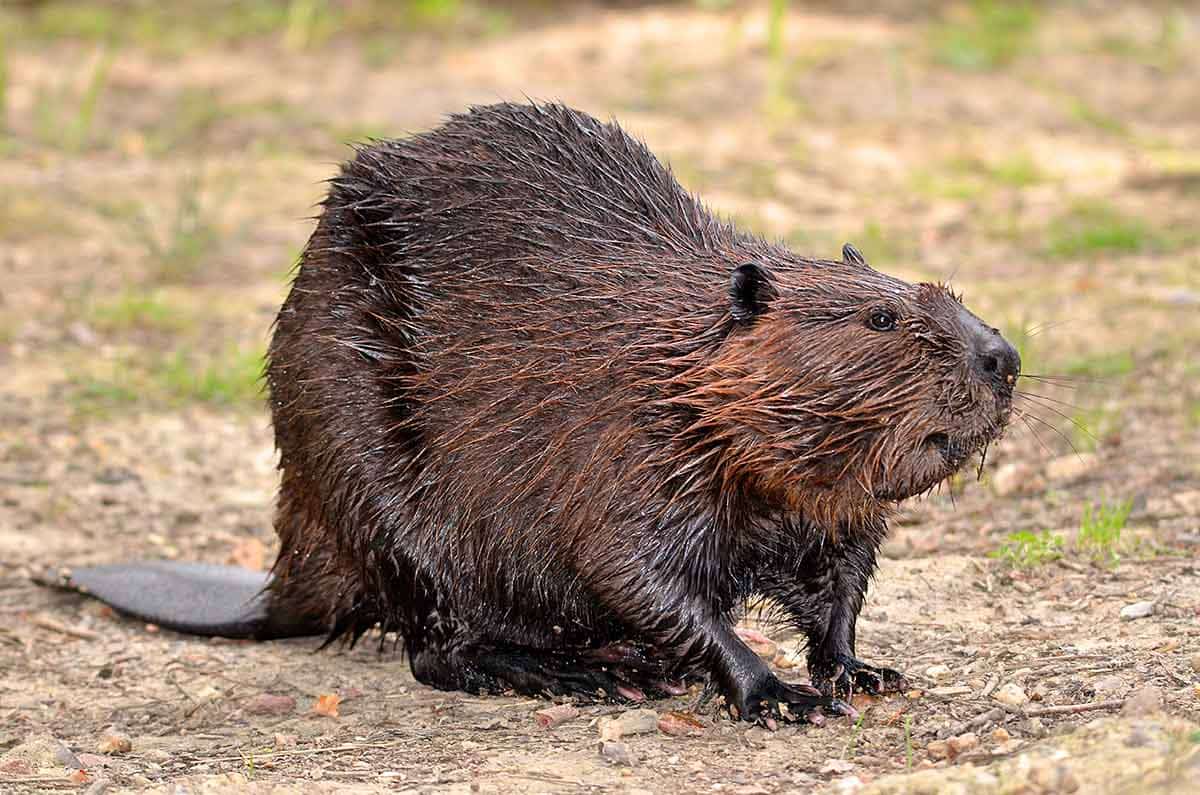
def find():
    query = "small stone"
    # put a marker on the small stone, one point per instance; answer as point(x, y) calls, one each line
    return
point(837, 766)
point(938, 749)
point(99, 787)
point(113, 741)
point(1108, 687)
point(1016, 477)
point(1070, 467)
point(284, 741)
point(269, 704)
point(679, 724)
point(962, 743)
point(1011, 694)
point(633, 721)
point(938, 672)
point(1137, 610)
point(1143, 701)
point(617, 753)
point(557, 715)
point(155, 755)
point(1195, 662)
point(66, 757)
point(1036, 727)
point(1000, 735)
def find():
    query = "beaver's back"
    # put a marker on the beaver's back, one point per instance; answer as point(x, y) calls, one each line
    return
point(466, 366)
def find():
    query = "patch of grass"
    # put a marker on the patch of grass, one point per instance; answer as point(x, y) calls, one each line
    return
point(182, 27)
point(1100, 531)
point(232, 378)
point(1091, 229)
point(1102, 365)
point(1164, 51)
point(1092, 427)
point(99, 396)
point(65, 115)
point(986, 34)
point(228, 379)
point(1026, 550)
point(1016, 171)
point(179, 246)
point(971, 177)
point(1091, 116)
point(137, 311)
point(27, 215)
point(882, 244)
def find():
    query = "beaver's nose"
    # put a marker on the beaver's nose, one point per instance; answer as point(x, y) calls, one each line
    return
point(998, 360)
point(994, 359)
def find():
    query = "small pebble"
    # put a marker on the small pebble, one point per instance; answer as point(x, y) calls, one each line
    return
point(269, 704)
point(679, 724)
point(557, 715)
point(1001, 735)
point(633, 721)
point(1137, 610)
point(617, 753)
point(1143, 701)
point(938, 672)
point(1011, 694)
point(1195, 662)
point(938, 749)
point(962, 743)
point(113, 741)
point(1108, 687)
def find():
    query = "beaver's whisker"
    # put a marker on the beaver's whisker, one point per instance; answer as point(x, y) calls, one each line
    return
point(1065, 416)
point(1038, 397)
point(1060, 380)
point(1052, 427)
point(1040, 327)
point(1023, 417)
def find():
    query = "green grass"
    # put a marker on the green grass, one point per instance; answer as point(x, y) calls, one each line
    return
point(1027, 550)
point(972, 177)
point(1100, 531)
point(178, 246)
point(1092, 229)
point(180, 27)
point(137, 310)
point(1091, 116)
point(230, 378)
point(1102, 365)
point(988, 34)
point(1094, 426)
point(884, 245)
point(65, 113)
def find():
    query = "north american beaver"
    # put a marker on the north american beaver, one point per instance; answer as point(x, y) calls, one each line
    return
point(550, 422)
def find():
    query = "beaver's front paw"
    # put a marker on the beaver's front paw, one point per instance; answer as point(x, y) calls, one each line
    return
point(843, 675)
point(769, 699)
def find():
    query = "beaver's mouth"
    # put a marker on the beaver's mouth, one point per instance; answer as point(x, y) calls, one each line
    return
point(954, 450)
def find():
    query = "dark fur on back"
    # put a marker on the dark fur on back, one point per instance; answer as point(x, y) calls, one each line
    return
point(529, 394)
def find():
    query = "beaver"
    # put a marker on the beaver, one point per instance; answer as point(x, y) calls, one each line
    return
point(550, 423)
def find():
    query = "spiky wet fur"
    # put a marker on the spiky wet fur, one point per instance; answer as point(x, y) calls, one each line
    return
point(523, 415)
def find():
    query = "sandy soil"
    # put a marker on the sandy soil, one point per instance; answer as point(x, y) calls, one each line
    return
point(155, 191)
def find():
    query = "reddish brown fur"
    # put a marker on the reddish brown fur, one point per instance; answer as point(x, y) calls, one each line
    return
point(521, 412)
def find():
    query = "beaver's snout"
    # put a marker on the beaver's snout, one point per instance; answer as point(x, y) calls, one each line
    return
point(993, 358)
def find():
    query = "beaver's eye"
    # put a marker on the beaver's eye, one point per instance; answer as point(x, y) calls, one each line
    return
point(882, 320)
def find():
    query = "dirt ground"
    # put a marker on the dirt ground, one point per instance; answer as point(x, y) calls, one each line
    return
point(158, 172)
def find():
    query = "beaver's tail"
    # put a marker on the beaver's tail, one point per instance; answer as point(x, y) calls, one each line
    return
point(196, 598)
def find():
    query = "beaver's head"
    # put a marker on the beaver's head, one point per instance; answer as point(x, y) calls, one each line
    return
point(857, 389)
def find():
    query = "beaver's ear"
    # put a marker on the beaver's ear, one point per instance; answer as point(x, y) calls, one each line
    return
point(852, 256)
point(751, 291)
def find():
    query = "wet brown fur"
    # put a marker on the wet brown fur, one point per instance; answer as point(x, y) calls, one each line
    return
point(521, 411)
